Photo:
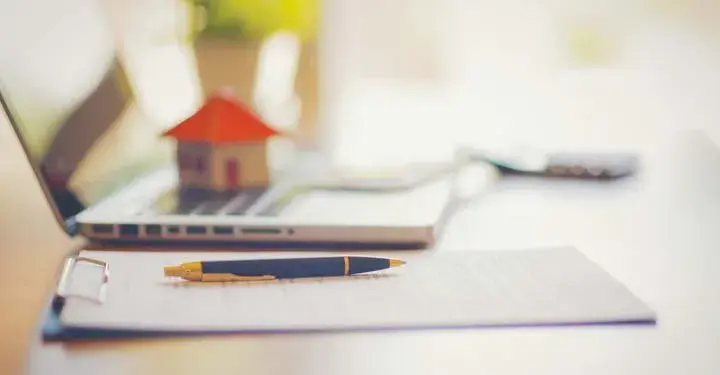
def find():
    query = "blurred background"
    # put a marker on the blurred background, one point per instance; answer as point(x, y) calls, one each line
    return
point(379, 82)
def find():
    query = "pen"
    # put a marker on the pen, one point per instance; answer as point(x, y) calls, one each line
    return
point(272, 269)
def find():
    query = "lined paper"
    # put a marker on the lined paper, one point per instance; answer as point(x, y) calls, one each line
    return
point(439, 289)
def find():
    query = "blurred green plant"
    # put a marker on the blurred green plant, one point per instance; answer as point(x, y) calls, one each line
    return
point(253, 19)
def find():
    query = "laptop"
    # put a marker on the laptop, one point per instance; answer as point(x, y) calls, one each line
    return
point(108, 176)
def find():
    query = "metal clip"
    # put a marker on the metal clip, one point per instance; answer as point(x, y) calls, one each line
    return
point(66, 277)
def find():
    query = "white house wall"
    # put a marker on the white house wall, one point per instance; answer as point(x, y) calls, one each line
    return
point(251, 161)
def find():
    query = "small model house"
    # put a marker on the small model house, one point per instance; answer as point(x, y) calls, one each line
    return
point(222, 146)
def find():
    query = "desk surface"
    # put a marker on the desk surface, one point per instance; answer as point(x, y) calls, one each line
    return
point(657, 233)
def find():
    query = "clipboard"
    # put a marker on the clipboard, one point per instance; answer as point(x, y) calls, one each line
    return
point(521, 288)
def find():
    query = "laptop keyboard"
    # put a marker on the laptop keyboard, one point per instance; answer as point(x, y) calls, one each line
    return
point(176, 202)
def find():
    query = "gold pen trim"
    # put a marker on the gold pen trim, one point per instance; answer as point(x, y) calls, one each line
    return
point(347, 265)
point(189, 271)
point(193, 272)
point(219, 277)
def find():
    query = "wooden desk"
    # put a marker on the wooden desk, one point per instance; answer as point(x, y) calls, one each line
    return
point(657, 233)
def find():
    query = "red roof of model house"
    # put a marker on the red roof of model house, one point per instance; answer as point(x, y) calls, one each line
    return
point(222, 119)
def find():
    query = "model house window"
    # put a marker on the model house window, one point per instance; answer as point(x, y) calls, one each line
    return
point(186, 162)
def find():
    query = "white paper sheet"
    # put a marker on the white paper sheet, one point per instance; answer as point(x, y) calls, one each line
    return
point(439, 289)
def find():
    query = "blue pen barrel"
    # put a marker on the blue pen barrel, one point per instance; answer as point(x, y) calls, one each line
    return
point(297, 267)
point(360, 264)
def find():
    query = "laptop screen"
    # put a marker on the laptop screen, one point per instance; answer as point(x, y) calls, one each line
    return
point(83, 110)
point(67, 97)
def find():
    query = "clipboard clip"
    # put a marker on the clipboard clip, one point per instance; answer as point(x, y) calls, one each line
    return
point(63, 287)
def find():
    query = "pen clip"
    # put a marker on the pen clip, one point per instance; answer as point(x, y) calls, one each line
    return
point(63, 286)
point(217, 277)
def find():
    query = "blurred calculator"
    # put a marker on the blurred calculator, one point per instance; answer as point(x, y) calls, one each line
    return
point(595, 166)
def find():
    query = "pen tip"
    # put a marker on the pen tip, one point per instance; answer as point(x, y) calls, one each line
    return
point(396, 263)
